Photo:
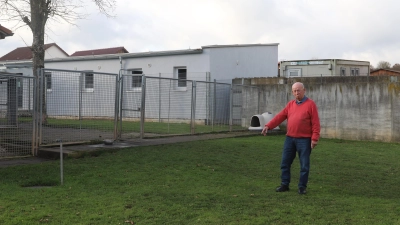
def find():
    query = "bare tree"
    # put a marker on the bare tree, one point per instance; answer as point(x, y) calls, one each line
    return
point(37, 13)
point(371, 67)
point(396, 67)
point(383, 65)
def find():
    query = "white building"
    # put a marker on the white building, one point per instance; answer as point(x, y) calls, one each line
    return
point(324, 67)
point(220, 63)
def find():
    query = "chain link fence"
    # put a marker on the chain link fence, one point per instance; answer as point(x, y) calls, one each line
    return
point(78, 106)
point(89, 107)
point(16, 101)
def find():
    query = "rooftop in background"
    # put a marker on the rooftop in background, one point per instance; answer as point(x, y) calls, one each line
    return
point(4, 32)
point(25, 53)
point(104, 51)
point(385, 72)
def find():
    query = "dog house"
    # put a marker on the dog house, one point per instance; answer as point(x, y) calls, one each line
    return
point(258, 121)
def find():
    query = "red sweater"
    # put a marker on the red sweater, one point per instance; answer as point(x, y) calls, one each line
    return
point(302, 120)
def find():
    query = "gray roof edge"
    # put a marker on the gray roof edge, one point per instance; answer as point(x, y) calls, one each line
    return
point(16, 62)
point(239, 45)
point(126, 55)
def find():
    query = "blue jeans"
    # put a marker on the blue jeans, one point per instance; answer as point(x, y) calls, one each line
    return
point(303, 147)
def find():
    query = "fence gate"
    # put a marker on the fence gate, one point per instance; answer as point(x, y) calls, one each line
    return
point(16, 100)
point(131, 88)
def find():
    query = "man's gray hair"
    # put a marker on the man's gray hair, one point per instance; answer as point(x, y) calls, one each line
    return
point(302, 85)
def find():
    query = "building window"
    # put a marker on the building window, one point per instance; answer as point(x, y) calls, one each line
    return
point(136, 81)
point(48, 81)
point(88, 81)
point(342, 71)
point(355, 71)
point(180, 74)
point(20, 92)
point(182, 77)
point(294, 72)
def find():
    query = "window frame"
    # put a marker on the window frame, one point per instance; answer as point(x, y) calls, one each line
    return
point(49, 79)
point(85, 80)
point(297, 70)
point(355, 71)
point(343, 69)
point(179, 80)
point(133, 77)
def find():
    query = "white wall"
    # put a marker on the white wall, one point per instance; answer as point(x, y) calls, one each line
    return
point(54, 52)
point(232, 62)
point(197, 65)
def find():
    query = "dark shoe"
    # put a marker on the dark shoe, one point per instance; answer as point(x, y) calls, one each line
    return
point(282, 188)
point(302, 191)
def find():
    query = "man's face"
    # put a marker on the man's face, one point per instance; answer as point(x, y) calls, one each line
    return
point(298, 91)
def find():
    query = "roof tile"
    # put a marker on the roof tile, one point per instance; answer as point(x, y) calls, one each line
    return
point(104, 51)
point(25, 53)
point(4, 32)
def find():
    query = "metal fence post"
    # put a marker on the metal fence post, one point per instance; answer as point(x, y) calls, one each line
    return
point(116, 105)
point(121, 100)
point(258, 100)
point(61, 161)
point(193, 114)
point(142, 107)
point(35, 135)
point(208, 98)
point(214, 105)
point(159, 98)
point(169, 102)
point(41, 93)
point(231, 108)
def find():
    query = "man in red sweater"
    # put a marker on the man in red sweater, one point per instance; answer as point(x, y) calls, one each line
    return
point(302, 135)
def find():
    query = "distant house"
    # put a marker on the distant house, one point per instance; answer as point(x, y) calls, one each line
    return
point(324, 67)
point(104, 51)
point(4, 32)
point(385, 72)
point(52, 50)
point(19, 61)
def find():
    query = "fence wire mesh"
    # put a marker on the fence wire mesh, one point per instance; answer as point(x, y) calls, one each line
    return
point(16, 125)
point(78, 106)
point(168, 106)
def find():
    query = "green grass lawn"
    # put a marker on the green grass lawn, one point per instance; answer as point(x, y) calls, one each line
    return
point(225, 181)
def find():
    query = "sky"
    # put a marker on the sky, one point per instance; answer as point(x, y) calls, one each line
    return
point(364, 30)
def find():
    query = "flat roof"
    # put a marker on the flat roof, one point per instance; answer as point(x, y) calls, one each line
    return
point(127, 55)
point(238, 45)
point(302, 60)
point(143, 54)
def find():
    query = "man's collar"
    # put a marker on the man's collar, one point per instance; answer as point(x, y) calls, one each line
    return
point(301, 101)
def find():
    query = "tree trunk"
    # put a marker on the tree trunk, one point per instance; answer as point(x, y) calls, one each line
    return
point(39, 15)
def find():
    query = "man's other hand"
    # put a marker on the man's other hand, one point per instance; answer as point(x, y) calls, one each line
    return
point(264, 130)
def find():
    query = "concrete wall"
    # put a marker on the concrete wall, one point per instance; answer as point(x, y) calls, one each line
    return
point(353, 108)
